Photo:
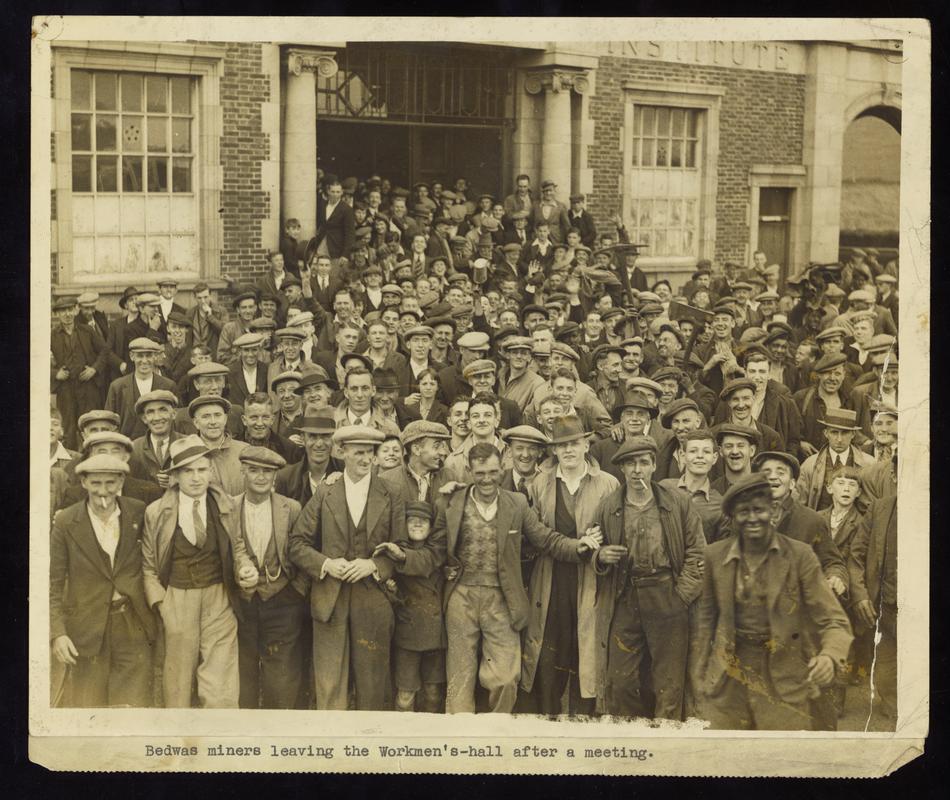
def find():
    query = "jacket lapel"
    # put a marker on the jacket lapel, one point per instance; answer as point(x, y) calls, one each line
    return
point(281, 513)
point(375, 502)
point(336, 500)
point(85, 537)
point(453, 519)
point(129, 536)
point(504, 518)
point(777, 566)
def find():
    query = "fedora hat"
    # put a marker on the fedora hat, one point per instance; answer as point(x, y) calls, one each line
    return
point(568, 429)
point(842, 419)
point(183, 451)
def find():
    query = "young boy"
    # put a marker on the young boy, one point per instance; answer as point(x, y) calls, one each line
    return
point(288, 247)
point(419, 640)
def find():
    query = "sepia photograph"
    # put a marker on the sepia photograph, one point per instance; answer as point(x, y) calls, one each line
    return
point(502, 390)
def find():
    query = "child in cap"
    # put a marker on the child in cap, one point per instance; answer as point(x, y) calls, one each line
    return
point(419, 640)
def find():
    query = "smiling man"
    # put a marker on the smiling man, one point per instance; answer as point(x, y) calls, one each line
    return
point(125, 391)
point(150, 453)
point(209, 415)
point(754, 669)
point(819, 470)
point(483, 423)
point(426, 445)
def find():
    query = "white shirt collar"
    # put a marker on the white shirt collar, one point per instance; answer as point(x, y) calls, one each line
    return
point(186, 511)
point(572, 484)
point(106, 530)
point(59, 454)
point(357, 495)
point(488, 512)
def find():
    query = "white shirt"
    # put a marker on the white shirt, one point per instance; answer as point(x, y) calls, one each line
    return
point(417, 368)
point(572, 484)
point(250, 378)
point(836, 458)
point(488, 512)
point(375, 296)
point(279, 280)
point(258, 526)
point(59, 454)
point(166, 306)
point(159, 447)
point(144, 386)
point(357, 419)
point(323, 281)
point(422, 480)
point(185, 515)
point(107, 531)
point(758, 401)
point(357, 494)
point(330, 209)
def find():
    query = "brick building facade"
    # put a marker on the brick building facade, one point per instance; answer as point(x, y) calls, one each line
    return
point(184, 158)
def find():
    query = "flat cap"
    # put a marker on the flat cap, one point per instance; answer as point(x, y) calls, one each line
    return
point(676, 407)
point(321, 423)
point(604, 350)
point(730, 429)
point(533, 308)
point(207, 368)
point(177, 318)
point(291, 333)
point(143, 344)
point(640, 384)
point(241, 297)
point(650, 308)
point(881, 407)
point(734, 386)
point(457, 277)
point(283, 377)
point(208, 400)
point(831, 332)
point(519, 343)
point(392, 288)
point(364, 360)
point(772, 270)
point(107, 437)
point(632, 447)
point(102, 463)
point(565, 350)
point(423, 429)
point(753, 334)
point(98, 415)
point(829, 362)
point(743, 285)
point(725, 307)
point(296, 317)
point(263, 324)
point(753, 482)
point(666, 373)
point(525, 433)
point(881, 342)
point(776, 455)
point(866, 315)
point(633, 340)
point(166, 282)
point(885, 277)
point(512, 247)
point(834, 290)
point(358, 434)
point(62, 303)
point(862, 295)
point(88, 298)
point(435, 322)
point(768, 294)
point(249, 339)
point(542, 348)
point(634, 400)
point(262, 457)
point(155, 396)
point(473, 340)
point(479, 366)
point(418, 330)
point(147, 299)
point(419, 509)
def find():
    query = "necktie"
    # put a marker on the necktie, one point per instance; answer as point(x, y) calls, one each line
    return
point(160, 451)
point(323, 284)
point(201, 533)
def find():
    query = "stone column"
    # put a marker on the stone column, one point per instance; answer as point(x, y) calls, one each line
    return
point(298, 194)
point(556, 136)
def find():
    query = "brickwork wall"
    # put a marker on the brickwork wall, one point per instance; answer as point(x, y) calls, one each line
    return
point(243, 147)
point(760, 122)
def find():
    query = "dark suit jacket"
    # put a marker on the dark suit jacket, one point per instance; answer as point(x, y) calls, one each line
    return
point(339, 231)
point(82, 581)
point(293, 480)
point(799, 601)
point(866, 558)
point(215, 324)
point(177, 363)
point(144, 463)
point(238, 390)
point(322, 531)
point(779, 414)
point(406, 487)
point(90, 350)
point(585, 224)
point(122, 396)
point(325, 296)
point(514, 521)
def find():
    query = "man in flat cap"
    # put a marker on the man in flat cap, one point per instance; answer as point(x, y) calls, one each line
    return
point(737, 446)
point(333, 542)
point(149, 323)
point(481, 376)
point(175, 358)
point(649, 573)
point(258, 422)
point(815, 401)
point(245, 304)
point(631, 415)
point(516, 382)
point(101, 626)
point(291, 359)
point(167, 291)
point(208, 378)
point(718, 354)
point(274, 612)
point(737, 405)
point(79, 353)
point(421, 476)
point(681, 416)
point(151, 451)
point(581, 219)
point(484, 423)
point(819, 470)
point(607, 364)
point(194, 561)
point(336, 225)
point(207, 318)
point(209, 415)
point(124, 392)
point(418, 341)
point(115, 445)
point(697, 456)
point(761, 590)
point(559, 646)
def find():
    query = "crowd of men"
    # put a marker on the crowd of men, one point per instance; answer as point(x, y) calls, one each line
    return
point(455, 454)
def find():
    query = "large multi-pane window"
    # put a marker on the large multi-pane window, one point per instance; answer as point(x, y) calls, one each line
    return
point(133, 153)
point(666, 179)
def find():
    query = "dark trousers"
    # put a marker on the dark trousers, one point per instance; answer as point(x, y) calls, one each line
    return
point(650, 619)
point(270, 651)
point(353, 647)
point(120, 674)
point(73, 399)
point(750, 702)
